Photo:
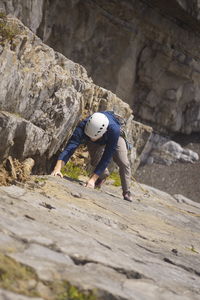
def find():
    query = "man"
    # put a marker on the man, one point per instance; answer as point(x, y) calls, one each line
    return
point(101, 133)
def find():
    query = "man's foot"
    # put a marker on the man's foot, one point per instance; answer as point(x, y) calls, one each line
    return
point(127, 196)
point(99, 183)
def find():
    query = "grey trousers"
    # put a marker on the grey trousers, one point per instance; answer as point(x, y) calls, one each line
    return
point(120, 157)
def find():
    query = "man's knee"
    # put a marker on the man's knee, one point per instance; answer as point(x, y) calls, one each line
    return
point(124, 165)
point(122, 161)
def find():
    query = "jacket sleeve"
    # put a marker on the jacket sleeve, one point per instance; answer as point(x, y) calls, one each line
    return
point(73, 143)
point(113, 136)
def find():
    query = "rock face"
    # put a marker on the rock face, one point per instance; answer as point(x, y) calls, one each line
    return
point(180, 10)
point(30, 12)
point(147, 249)
point(147, 52)
point(39, 103)
point(44, 94)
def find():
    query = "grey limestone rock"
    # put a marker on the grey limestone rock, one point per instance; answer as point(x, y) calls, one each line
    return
point(160, 149)
point(171, 151)
point(6, 295)
point(147, 249)
point(146, 52)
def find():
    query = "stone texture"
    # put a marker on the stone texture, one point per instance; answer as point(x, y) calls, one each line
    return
point(178, 7)
point(39, 102)
point(151, 56)
point(30, 12)
point(138, 250)
point(147, 52)
point(6, 295)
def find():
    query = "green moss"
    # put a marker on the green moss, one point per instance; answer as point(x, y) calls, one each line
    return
point(16, 277)
point(65, 291)
point(73, 171)
point(2, 15)
point(115, 176)
point(40, 179)
point(7, 30)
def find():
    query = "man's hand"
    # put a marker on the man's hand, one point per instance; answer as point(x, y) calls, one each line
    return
point(57, 173)
point(57, 169)
point(91, 181)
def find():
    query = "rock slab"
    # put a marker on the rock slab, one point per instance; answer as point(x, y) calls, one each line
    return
point(147, 249)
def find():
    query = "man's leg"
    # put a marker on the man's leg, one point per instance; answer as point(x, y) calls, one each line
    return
point(121, 159)
point(96, 152)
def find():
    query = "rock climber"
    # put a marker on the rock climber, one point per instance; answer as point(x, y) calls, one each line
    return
point(101, 133)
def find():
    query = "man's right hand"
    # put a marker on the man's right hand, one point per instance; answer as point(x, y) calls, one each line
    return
point(57, 173)
point(57, 169)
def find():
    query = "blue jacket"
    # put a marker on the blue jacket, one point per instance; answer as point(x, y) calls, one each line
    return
point(109, 139)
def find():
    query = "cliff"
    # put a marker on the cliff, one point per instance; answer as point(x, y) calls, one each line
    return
point(146, 52)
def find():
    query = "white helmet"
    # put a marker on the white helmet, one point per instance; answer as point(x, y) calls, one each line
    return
point(96, 125)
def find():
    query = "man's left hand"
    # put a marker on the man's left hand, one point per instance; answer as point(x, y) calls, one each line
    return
point(91, 181)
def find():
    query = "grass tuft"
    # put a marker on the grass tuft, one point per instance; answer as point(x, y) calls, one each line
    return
point(73, 171)
point(7, 30)
point(65, 291)
point(116, 178)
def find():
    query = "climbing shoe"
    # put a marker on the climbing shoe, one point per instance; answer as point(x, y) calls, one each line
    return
point(127, 196)
point(99, 183)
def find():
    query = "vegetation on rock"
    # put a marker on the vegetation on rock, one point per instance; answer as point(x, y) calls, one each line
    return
point(65, 291)
point(12, 170)
point(15, 276)
point(73, 170)
point(22, 279)
point(7, 30)
point(116, 178)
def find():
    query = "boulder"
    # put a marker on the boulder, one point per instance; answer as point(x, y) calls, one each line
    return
point(162, 150)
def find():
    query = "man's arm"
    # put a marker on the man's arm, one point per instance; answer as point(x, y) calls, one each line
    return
point(92, 180)
point(113, 136)
point(71, 146)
